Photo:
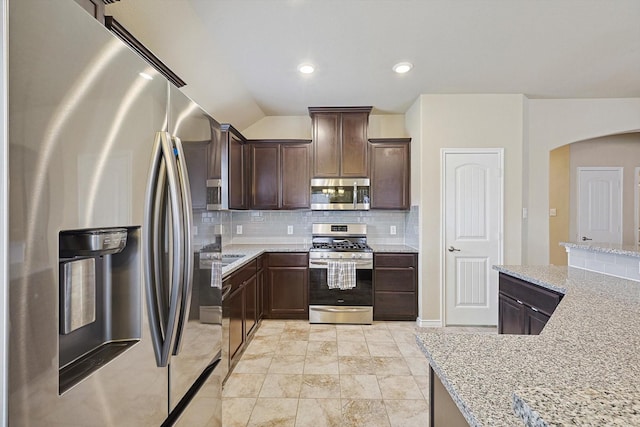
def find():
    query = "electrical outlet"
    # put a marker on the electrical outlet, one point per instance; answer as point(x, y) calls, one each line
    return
point(238, 229)
point(289, 229)
point(392, 230)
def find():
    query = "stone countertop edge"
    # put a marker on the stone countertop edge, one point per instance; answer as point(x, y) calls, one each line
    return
point(554, 284)
point(607, 248)
point(382, 248)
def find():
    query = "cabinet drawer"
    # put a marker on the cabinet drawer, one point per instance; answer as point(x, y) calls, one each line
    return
point(288, 259)
point(394, 306)
point(394, 260)
point(395, 280)
point(243, 274)
point(532, 295)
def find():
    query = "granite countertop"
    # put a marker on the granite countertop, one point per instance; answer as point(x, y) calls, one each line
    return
point(250, 251)
point(608, 248)
point(381, 248)
point(583, 369)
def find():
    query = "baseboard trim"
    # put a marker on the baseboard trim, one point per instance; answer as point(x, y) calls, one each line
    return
point(424, 323)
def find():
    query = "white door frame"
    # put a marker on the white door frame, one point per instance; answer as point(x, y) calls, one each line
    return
point(443, 153)
point(620, 171)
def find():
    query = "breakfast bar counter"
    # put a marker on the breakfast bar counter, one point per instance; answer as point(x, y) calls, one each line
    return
point(583, 369)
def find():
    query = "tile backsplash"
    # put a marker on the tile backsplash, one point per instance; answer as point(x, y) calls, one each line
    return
point(273, 226)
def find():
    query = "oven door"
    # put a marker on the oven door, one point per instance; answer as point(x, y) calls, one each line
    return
point(320, 294)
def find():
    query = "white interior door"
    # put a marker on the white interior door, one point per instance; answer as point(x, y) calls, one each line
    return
point(600, 204)
point(473, 200)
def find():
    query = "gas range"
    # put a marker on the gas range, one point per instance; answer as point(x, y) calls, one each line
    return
point(340, 241)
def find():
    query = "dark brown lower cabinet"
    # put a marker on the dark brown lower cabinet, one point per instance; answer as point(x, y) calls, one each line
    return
point(242, 307)
point(523, 307)
point(250, 305)
point(395, 286)
point(236, 323)
point(260, 284)
point(287, 286)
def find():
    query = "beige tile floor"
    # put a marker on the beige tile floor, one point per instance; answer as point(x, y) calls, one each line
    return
point(297, 374)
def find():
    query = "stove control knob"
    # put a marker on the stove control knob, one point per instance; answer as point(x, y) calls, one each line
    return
point(353, 256)
point(340, 256)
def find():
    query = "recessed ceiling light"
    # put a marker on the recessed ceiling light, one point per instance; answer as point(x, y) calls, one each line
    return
point(306, 68)
point(402, 67)
point(145, 76)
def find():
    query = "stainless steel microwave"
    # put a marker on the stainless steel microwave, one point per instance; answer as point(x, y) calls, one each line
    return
point(340, 194)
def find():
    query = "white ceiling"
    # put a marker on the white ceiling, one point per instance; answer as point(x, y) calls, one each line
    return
point(239, 57)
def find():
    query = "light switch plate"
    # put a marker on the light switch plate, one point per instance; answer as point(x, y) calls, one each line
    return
point(552, 212)
point(289, 229)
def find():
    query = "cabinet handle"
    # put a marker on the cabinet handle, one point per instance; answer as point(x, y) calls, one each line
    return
point(534, 309)
point(519, 302)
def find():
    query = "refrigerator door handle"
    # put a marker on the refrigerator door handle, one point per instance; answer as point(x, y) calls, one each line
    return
point(187, 255)
point(163, 171)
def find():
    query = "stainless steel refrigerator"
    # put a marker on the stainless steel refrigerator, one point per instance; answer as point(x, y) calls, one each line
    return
point(100, 244)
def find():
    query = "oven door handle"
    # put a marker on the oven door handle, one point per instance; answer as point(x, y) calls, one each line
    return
point(341, 310)
point(368, 262)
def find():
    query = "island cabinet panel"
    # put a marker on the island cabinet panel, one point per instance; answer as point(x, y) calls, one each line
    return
point(523, 307)
point(340, 146)
point(390, 173)
point(287, 292)
point(395, 286)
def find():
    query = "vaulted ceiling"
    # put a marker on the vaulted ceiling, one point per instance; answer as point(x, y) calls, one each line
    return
point(240, 57)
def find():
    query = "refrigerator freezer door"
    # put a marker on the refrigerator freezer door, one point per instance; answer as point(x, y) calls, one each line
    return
point(80, 129)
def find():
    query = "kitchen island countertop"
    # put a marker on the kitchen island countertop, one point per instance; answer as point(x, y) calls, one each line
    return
point(583, 369)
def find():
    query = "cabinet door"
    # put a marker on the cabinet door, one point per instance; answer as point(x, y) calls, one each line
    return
point(511, 317)
point(534, 321)
point(250, 305)
point(260, 293)
point(237, 165)
point(326, 145)
point(295, 176)
point(288, 292)
point(265, 176)
point(390, 175)
point(236, 324)
point(355, 156)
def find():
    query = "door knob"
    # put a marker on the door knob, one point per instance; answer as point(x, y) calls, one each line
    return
point(585, 238)
point(452, 249)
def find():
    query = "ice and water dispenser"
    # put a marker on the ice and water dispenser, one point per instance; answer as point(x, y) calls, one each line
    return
point(100, 299)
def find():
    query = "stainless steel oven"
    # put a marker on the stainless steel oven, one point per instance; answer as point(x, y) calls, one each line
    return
point(340, 246)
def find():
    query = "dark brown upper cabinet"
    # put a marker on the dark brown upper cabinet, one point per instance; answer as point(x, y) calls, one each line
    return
point(280, 174)
point(390, 173)
point(237, 163)
point(339, 139)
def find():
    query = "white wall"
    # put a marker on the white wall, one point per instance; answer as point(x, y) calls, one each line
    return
point(551, 124)
point(299, 127)
point(464, 121)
